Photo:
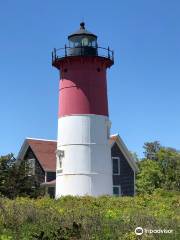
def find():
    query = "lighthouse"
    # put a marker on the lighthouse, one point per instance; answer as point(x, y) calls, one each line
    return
point(83, 151)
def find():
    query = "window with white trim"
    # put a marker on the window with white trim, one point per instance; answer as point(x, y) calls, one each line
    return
point(116, 165)
point(31, 166)
point(117, 190)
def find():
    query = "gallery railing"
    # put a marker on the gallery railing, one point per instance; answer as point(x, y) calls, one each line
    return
point(82, 51)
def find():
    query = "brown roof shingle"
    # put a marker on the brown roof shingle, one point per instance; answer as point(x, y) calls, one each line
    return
point(45, 152)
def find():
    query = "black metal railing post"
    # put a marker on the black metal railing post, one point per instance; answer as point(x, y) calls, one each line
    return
point(113, 56)
point(96, 49)
point(81, 49)
point(52, 56)
point(108, 52)
point(65, 51)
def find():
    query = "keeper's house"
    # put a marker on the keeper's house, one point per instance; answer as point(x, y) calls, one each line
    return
point(41, 156)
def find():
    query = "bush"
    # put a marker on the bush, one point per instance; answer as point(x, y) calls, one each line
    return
point(105, 218)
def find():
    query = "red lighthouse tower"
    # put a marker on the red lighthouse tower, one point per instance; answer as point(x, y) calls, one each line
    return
point(83, 151)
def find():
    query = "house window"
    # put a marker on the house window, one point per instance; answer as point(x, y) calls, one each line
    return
point(31, 166)
point(116, 165)
point(117, 190)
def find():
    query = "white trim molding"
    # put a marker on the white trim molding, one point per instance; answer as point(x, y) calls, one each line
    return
point(119, 166)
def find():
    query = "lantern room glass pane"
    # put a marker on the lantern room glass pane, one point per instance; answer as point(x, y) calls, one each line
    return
point(82, 40)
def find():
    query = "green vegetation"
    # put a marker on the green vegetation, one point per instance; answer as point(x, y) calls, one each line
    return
point(105, 218)
point(160, 169)
point(15, 180)
point(26, 215)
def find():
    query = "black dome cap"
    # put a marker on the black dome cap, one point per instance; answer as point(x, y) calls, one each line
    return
point(82, 31)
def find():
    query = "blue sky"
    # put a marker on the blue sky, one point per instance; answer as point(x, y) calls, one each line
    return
point(143, 85)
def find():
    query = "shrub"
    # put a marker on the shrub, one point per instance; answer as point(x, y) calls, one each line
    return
point(106, 218)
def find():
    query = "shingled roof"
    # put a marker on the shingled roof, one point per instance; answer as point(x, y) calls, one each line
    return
point(44, 150)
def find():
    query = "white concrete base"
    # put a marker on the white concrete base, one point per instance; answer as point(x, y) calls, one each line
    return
point(86, 164)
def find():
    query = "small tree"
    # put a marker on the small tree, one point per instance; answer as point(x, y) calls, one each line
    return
point(14, 178)
point(149, 177)
point(6, 163)
point(160, 169)
point(151, 150)
point(169, 162)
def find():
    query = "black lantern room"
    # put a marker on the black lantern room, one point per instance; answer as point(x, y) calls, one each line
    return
point(82, 42)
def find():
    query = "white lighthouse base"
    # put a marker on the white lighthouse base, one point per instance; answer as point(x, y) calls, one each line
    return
point(84, 164)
